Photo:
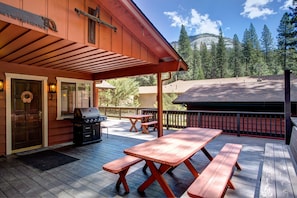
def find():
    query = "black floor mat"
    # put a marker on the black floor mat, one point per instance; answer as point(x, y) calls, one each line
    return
point(46, 160)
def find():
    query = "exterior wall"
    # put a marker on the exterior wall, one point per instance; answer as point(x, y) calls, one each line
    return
point(74, 27)
point(59, 131)
point(147, 100)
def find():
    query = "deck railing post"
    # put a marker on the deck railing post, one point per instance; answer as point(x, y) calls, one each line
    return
point(167, 120)
point(238, 124)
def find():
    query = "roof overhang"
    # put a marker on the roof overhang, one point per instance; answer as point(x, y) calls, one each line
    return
point(35, 48)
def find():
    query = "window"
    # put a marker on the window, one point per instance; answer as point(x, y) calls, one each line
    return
point(71, 94)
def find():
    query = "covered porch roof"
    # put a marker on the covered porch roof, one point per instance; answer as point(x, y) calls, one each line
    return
point(36, 48)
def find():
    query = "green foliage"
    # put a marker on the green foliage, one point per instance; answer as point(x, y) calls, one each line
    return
point(185, 51)
point(146, 80)
point(205, 60)
point(124, 94)
point(286, 42)
point(167, 102)
point(235, 59)
point(221, 56)
point(267, 48)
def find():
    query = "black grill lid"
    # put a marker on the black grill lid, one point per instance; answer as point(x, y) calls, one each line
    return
point(86, 113)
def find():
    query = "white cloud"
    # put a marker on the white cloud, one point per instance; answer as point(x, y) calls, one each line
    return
point(196, 23)
point(177, 20)
point(256, 8)
point(287, 4)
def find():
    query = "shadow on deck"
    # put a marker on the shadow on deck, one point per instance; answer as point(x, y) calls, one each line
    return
point(85, 177)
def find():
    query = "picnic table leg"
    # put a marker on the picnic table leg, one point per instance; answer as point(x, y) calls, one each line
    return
point(133, 123)
point(122, 180)
point(157, 175)
point(191, 168)
point(206, 153)
point(238, 166)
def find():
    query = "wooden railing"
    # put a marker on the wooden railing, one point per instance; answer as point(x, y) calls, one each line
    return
point(265, 124)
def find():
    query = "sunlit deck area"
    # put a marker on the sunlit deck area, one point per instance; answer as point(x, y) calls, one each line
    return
point(85, 177)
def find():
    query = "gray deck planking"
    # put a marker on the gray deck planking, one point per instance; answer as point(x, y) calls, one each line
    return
point(85, 177)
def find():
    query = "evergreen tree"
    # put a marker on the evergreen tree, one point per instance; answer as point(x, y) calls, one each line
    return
point(236, 58)
point(247, 51)
point(256, 58)
point(293, 20)
point(221, 56)
point(284, 39)
point(214, 71)
point(254, 37)
point(267, 48)
point(205, 60)
point(185, 51)
point(197, 69)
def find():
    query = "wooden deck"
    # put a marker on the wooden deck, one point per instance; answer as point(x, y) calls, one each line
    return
point(85, 177)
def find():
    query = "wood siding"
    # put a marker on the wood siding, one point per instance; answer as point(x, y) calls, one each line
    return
point(74, 27)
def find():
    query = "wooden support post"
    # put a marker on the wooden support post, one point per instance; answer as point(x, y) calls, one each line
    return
point(160, 104)
point(95, 95)
point(287, 105)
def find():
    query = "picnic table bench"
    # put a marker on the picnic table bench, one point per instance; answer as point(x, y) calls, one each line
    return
point(145, 126)
point(121, 166)
point(215, 178)
point(279, 169)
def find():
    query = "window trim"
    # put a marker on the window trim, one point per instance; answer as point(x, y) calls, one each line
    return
point(70, 80)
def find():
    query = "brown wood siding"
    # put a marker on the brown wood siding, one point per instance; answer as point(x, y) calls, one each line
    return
point(74, 27)
point(127, 43)
point(76, 21)
point(58, 11)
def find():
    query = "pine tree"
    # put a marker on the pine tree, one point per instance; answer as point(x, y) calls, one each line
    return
point(267, 48)
point(221, 56)
point(254, 37)
point(197, 69)
point(236, 58)
point(185, 51)
point(247, 51)
point(284, 39)
point(205, 60)
point(213, 62)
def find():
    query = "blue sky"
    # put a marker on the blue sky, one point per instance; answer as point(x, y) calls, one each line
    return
point(207, 16)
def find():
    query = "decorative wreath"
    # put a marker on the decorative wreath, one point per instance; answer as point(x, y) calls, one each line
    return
point(27, 96)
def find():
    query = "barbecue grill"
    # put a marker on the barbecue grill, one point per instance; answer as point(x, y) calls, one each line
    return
point(86, 125)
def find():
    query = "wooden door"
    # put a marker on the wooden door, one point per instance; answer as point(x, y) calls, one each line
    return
point(26, 113)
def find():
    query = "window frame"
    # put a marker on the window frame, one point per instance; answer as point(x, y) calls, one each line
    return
point(59, 92)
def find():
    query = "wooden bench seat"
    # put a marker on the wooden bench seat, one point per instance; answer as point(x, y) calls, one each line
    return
point(215, 178)
point(145, 126)
point(121, 166)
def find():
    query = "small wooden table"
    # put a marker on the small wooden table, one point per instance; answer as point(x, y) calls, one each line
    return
point(134, 118)
point(170, 151)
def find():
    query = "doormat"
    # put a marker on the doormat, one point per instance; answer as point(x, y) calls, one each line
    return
point(46, 160)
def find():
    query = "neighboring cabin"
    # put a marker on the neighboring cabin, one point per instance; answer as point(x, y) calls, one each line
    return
point(148, 94)
point(239, 94)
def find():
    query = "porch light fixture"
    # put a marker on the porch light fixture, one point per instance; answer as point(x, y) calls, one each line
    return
point(52, 89)
point(1, 85)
